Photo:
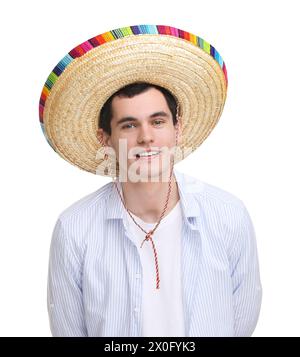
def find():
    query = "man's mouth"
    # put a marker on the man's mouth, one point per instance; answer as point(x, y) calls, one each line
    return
point(147, 154)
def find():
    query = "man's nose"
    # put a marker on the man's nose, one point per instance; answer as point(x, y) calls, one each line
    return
point(145, 135)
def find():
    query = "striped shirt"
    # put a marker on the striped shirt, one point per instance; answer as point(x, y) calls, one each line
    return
point(93, 289)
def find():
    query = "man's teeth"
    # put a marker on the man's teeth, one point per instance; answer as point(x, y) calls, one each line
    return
point(145, 154)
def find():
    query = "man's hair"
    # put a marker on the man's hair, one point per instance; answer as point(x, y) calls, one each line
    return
point(130, 91)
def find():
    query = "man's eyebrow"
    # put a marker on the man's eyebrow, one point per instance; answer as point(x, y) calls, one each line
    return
point(130, 118)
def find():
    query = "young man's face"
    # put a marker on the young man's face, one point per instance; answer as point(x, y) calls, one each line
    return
point(144, 122)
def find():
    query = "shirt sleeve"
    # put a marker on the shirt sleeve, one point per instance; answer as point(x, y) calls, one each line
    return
point(64, 291)
point(247, 289)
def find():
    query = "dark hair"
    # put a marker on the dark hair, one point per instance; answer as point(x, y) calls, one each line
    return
point(130, 91)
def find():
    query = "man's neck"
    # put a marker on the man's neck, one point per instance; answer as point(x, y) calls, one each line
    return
point(147, 199)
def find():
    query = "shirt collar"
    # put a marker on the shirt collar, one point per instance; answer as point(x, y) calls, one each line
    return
point(187, 187)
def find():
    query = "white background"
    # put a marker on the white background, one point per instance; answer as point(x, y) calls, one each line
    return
point(252, 153)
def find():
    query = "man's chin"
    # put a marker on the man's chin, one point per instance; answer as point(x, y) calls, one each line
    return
point(144, 172)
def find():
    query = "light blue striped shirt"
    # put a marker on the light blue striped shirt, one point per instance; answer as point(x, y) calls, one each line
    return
point(93, 289)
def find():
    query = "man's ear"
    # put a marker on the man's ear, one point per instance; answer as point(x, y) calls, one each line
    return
point(103, 137)
point(179, 128)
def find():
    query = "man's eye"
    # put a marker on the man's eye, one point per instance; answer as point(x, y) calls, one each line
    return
point(127, 126)
point(157, 122)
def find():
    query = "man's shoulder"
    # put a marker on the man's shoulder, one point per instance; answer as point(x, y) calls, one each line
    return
point(203, 190)
point(86, 205)
point(224, 210)
point(222, 196)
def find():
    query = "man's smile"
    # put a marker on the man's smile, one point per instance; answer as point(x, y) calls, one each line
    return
point(147, 155)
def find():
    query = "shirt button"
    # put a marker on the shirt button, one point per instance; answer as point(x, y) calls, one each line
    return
point(136, 309)
point(138, 276)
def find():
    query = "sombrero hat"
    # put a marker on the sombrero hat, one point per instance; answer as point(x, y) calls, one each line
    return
point(79, 85)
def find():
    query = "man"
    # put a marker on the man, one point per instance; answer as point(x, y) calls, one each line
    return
point(157, 252)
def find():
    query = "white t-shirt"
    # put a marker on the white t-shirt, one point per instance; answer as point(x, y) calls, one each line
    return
point(162, 309)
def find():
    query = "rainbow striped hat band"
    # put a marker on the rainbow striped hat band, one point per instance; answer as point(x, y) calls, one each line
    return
point(79, 85)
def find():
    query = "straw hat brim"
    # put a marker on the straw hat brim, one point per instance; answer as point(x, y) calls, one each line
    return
point(78, 87)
